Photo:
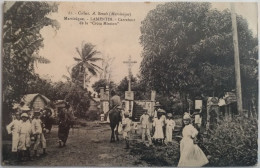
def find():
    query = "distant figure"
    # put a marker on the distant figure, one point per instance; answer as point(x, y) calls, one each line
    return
point(157, 107)
point(47, 120)
point(190, 153)
point(13, 129)
point(170, 124)
point(145, 122)
point(65, 123)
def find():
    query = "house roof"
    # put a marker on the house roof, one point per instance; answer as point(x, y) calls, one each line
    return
point(27, 99)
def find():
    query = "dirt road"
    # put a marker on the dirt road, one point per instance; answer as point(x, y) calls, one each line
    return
point(90, 146)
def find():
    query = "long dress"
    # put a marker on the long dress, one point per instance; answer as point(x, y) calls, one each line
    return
point(64, 125)
point(158, 134)
point(191, 154)
point(170, 124)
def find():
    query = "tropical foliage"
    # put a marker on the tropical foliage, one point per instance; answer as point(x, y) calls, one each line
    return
point(234, 143)
point(194, 45)
point(22, 40)
point(85, 64)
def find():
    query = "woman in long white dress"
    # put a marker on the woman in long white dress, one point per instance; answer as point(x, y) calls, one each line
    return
point(191, 154)
point(158, 134)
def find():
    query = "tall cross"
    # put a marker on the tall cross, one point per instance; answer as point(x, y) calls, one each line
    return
point(130, 63)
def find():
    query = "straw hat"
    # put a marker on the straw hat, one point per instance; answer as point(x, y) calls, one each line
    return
point(161, 111)
point(25, 115)
point(169, 114)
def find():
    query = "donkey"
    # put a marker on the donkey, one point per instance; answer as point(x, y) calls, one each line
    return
point(115, 118)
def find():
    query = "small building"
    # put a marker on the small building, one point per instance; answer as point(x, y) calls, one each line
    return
point(33, 102)
point(36, 101)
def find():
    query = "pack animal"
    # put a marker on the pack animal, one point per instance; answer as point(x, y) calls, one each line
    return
point(115, 118)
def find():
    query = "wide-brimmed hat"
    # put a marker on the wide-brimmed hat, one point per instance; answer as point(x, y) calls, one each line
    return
point(161, 111)
point(25, 115)
point(169, 114)
point(157, 104)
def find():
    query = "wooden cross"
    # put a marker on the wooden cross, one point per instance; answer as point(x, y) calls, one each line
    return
point(130, 63)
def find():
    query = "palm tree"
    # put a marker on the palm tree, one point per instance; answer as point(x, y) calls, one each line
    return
point(86, 63)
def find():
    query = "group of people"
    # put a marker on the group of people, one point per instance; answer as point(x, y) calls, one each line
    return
point(27, 132)
point(162, 129)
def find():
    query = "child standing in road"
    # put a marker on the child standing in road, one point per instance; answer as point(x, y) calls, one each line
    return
point(25, 131)
point(126, 125)
point(170, 124)
point(38, 134)
point(13, 128)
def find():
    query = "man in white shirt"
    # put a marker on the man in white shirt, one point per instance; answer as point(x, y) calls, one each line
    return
point(145, 123)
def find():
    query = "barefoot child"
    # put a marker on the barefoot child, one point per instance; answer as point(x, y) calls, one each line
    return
point(13, 128)
point(25, 131)
point(170, 124)
point(37, 132)
point(126, 124)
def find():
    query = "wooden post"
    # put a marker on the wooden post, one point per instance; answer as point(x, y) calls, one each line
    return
point(236, 58)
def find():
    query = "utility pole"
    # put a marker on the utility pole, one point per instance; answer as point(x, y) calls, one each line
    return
point(236, 60)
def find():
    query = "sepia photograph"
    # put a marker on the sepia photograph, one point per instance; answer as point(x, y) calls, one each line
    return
point(129, 84)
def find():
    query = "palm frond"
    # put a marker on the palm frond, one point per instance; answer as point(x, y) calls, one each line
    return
point(77, 59)
point(96, 66)
point(92, 54)
point(92, 71)
point(77, 49)
point(87, 49)
point(95, 59)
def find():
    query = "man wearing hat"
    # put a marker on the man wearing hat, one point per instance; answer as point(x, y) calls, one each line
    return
point(37, 132)
point(157, 106)
point(25, 131)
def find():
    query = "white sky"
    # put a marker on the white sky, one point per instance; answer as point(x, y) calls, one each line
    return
point(116, 41)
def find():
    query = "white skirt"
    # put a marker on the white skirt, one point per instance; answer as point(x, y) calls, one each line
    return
point(191, 154)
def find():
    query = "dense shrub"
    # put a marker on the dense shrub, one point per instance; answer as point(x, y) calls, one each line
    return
point(234, 143)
